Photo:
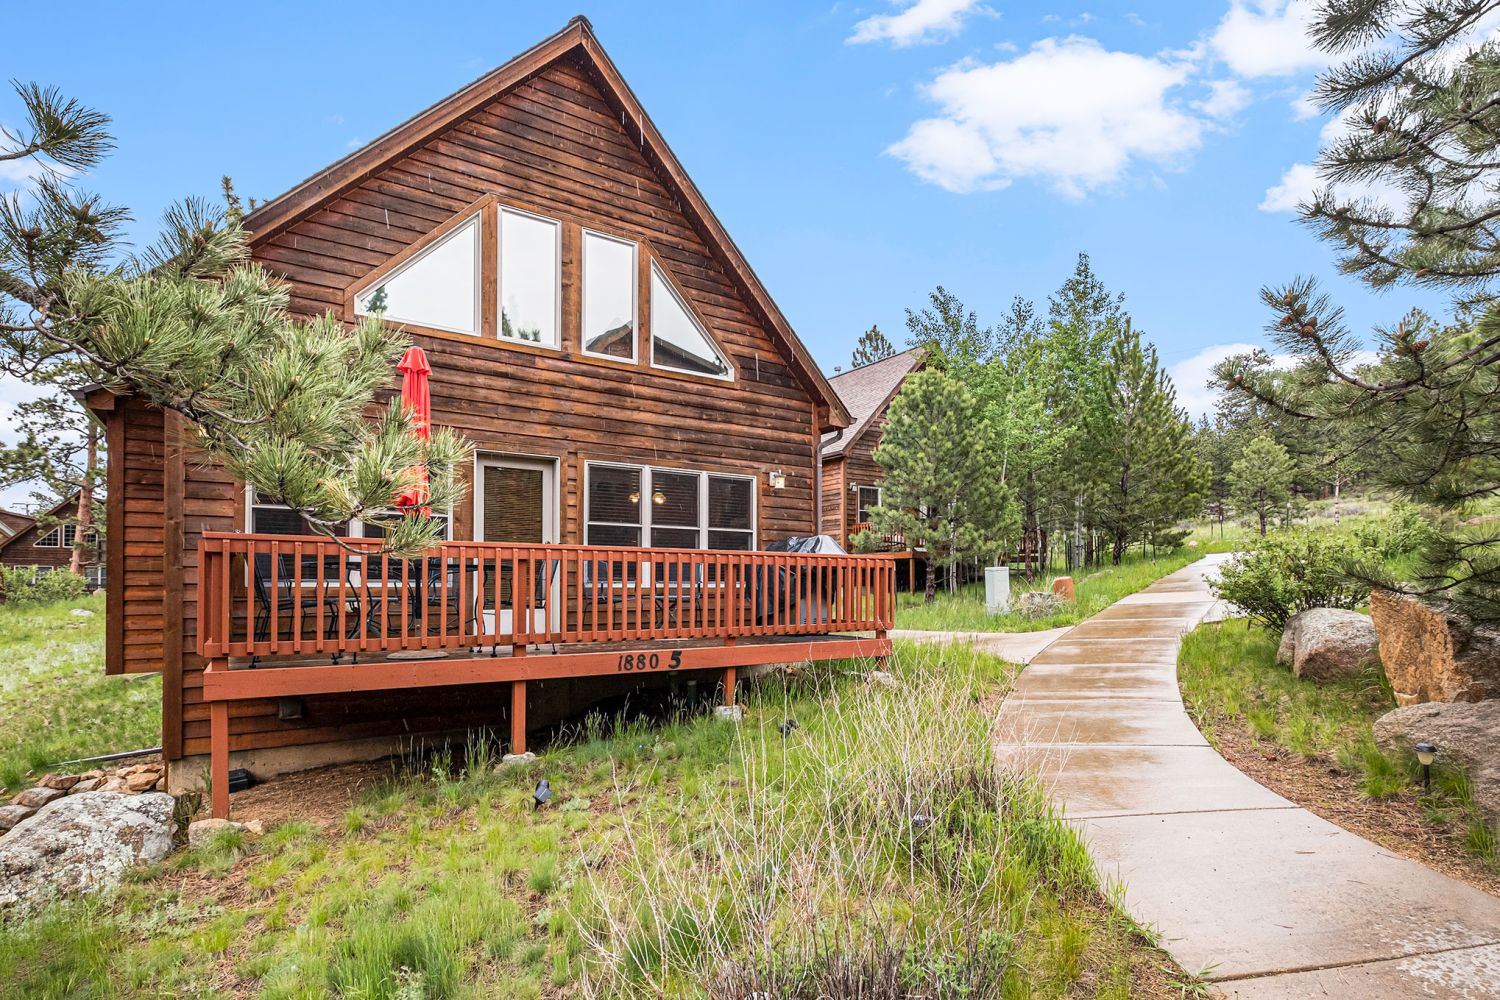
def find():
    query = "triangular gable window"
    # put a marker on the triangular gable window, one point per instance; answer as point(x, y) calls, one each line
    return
point(437, 288)
point(678, 341)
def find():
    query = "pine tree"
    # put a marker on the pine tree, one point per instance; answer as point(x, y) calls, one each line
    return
point(1422, 127)
point(196, 328)
point(1145, 475)
point(872, 347)
point(1260, 480)
point(940, 473)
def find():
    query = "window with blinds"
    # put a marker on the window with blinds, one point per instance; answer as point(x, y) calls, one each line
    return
point(512, 504)
point(668, 508)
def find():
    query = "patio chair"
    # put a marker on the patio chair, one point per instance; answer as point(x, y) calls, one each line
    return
point(288, 600)
point(545, 573)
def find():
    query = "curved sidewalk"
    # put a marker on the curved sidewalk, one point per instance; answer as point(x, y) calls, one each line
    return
point(1243, 886)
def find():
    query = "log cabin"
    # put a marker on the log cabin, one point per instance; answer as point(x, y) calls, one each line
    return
point(645, 421)
point(44, 544)
point(851, 478)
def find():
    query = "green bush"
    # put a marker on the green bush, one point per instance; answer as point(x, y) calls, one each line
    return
point(1290, 572)
point(1404, 530)
point(24, 586)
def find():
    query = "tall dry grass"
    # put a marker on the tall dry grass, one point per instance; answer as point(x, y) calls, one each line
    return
point(876, 850)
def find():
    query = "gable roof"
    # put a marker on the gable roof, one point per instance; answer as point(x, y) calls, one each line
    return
point(13, 522)
point(866, 391)
point(577, 39)
point(70, 500)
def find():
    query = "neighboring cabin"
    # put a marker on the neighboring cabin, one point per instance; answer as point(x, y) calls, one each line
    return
point(852, 478)
point(45, 543)
point(625, 378)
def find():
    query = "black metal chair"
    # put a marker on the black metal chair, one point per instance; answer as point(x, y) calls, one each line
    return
point(544, 577)
point(288, 600)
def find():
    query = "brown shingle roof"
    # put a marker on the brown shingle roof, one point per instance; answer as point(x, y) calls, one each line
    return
point(865, 392)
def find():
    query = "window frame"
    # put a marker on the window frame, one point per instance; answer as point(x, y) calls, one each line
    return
point(648, 486)
point(61, 533)
point(436, 241)
point(861, 509)
point(356, 525)
point(584, 232)
point(500, 209)
point(654, 268)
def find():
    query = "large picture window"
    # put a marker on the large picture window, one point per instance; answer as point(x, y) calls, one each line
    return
point(678, 340)
point(437, 288)
point(609, 282)
point(270, 518)
point(669, 508)
point(530, 249)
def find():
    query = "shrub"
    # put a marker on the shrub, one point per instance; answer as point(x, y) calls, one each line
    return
point(1404, 530)
point(23, 586)
point(1291, 572)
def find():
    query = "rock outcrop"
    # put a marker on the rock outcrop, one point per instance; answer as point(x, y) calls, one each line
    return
point(82, 843)
point(1467, 734)
point(1431, 655)
point(1325, 644)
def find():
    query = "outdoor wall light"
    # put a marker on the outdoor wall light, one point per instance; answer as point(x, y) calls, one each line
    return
point(658, 498)
point(1426, 754)
point(778, 480)
point(635, 497)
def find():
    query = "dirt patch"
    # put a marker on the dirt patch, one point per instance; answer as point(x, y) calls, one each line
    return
point(319, 796)
point(1399, 823)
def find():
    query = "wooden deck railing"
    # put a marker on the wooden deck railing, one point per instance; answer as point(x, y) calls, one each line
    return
point(289, 596)
point(884, 542)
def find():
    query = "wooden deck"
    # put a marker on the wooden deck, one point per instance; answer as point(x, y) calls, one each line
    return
point(294, 616)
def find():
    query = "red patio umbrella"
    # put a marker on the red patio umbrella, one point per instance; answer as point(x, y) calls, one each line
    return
point(416, 396)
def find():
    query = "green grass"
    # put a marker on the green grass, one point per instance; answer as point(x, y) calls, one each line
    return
point(55, 702)
point(1095, 589)
point(878, 842)
point(1230, 677)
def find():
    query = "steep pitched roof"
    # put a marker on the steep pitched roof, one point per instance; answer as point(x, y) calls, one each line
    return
point(865, 392)
point(13, 522)
point(577, 39)
point(70, 500)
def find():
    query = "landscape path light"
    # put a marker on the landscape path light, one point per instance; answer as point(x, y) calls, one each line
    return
point(1426, 754)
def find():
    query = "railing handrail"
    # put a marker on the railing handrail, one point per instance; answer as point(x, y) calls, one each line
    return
point(374, 545)
point(314, 595)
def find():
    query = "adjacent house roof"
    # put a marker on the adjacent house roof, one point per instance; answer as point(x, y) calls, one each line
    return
point(56, 511)
point(13, 522)
point(865, 392)
point(577, 40)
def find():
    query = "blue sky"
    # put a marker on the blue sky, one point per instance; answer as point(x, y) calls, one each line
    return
point(859, 153)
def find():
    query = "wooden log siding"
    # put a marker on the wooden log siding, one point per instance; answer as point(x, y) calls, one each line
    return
point(555, 146)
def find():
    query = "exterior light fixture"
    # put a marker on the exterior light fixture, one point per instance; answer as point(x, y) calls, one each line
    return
point(1426, 754)
point(778, 480)
point(658, 498)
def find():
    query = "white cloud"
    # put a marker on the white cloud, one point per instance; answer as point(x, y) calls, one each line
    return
point(1226, 98)
point(1191, 376)
point(1068, 112)
point(1296, 186)
point(920, 23)
point(1267, 38)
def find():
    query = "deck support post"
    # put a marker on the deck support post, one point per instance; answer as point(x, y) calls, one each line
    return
point(729, 682)
point(881, 662)
point(517, 717)
point(218, 756)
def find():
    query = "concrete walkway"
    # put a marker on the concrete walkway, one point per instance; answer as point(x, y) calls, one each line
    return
point(1017, 647)
point(1243, 886)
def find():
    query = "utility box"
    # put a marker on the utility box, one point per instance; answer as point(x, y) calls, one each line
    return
point(996, 589)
